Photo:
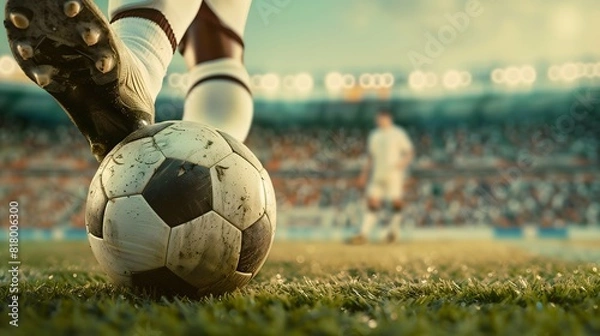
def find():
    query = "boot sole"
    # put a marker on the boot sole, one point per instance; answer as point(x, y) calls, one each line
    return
point(68, 49)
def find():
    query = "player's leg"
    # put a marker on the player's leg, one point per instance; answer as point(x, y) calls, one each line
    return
point(105, 77)
point(395, 221)
point(213, 48)
point(395, 194)
point(152, 30)
point(374, 205)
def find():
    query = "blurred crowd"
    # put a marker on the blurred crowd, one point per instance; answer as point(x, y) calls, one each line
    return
point(456, 176)
point(548, 200)
point(36, 147)
point(46, 201)
point(453, 146)
point(324, 150)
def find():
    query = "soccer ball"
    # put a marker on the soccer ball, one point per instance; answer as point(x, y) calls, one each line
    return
point(181, 207)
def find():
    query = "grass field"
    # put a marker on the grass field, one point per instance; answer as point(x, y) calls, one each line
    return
point(457, 288)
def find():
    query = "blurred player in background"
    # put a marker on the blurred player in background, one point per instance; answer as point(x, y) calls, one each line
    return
point(390, 155)
point(106, 76)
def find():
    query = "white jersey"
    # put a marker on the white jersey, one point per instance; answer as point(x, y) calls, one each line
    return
point(387, 147)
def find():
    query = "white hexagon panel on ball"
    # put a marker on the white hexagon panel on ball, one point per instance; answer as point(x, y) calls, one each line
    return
point(205, 250)
point(131, 167)
point(192, 142)
point(238, 191)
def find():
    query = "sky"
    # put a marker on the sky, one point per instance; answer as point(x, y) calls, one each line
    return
point(289, 36)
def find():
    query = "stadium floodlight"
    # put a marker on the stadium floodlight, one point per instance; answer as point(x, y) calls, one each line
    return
point(554, 73)
point(8, 65)
point(367, 81)
point(431, 79)
point(387, 80)
point(568, 72)
point(377, 81)
point(416, 80)
point(348, 81)
point(178, 81)
point(589, 70)
point(498, 76)
point(270, 82)
point(174, 80)
point(256, 82)
point(465, 78)
point(451, 79)
point(334, 81)
point(304, 82)
point(580, 69)
point(289, 83)
point(528, 74)
point(512, 76)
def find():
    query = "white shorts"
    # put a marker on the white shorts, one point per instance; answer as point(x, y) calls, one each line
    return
point(388, 189)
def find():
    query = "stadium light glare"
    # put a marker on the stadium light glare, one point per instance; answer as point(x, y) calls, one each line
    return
point(8, 65)
point(465, 78)
point(270, 82)
point(498, 76)
point(348, 81)
point(367, 81)
point(589, 70)
point(304, 82)
point(580, 69)
point(178, 81)
point(597, 69)
point(174, 80)
point(512, 76)
point(528, 74)
point(256, 82)
point(377, 81)
point(416, 80)
point(387, 80)
point(554, 73)
point(569, 72)
point(334, 81)
point(452, 79)
point(431, 79)
point(289, 83)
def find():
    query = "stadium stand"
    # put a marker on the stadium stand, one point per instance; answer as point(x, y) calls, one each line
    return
point(466, 173)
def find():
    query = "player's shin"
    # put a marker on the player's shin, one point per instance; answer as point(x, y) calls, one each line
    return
point(152, 30)
point(213, 47)
point(395, 223)
point(369, 220)
point(219, 96)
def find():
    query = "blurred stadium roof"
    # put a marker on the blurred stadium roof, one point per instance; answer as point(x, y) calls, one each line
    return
point(362, 51)
point(356, 35)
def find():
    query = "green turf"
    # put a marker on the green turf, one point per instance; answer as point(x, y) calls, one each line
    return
point(323, 289)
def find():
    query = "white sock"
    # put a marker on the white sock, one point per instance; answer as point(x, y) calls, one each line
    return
point(395, 223)
point(150, 47)
point(232, 13)
point(369, 220)
point(148, 42)
point(219, 97)
point(179, 13)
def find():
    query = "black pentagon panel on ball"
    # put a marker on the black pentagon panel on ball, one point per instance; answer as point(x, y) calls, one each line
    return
point(256, 241)
point(179, 191)
point(146, 131)
point(164, 280)
point(241, 150)
point(95, 207)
